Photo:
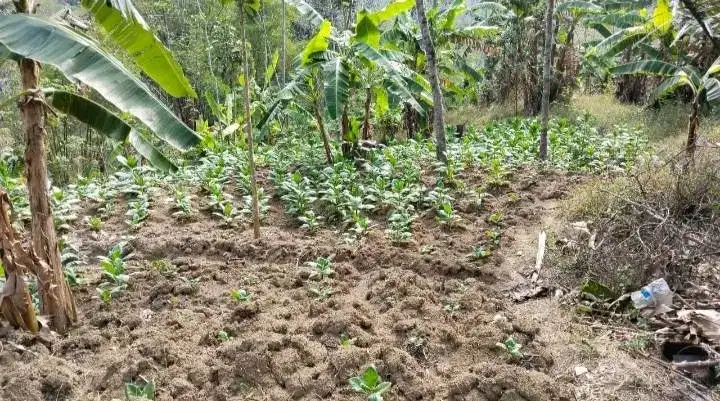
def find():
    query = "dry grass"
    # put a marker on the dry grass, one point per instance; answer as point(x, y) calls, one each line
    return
point(660, 221)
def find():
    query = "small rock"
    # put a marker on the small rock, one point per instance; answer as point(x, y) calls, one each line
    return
point(580, 370)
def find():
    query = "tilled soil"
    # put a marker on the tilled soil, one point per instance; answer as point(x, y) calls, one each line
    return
point(428, 316)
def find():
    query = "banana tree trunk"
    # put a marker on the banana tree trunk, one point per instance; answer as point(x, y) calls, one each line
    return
point(248, 128)
point(56, 299)
point(323, 133)
point(439, 118)
point(547, 79)
point(692, 128)
point(366, 119)
point(15, 300)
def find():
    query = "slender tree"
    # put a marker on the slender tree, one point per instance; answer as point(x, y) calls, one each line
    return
point(249, 127)
point(56, 299)
point(283, 54)
point(429, 47)
point(547, 79)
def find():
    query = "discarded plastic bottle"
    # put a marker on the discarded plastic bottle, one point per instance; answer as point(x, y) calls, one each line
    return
point(654, 295)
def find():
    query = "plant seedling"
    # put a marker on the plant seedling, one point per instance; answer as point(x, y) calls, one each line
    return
point(321, 293)
point(446, 213)
point(346, 341)
point(512, 347)
point(496, 218)
point(493, 236)
point(451, 307)
point(163, 266)
point(113, 266)
point(321, 268)
point(135, 391)
point(370, 384)
point(240, 295)
point(480, 253)
point(223, 336)
point(94, 223)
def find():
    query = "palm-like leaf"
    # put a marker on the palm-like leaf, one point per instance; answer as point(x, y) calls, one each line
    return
point(712, 88)
point(125, 26)
point(337, 85)
point(646, 67)
point(81, 60)
point(578, 7)
point(622, 40)
point(317, 44)
point(89, 112)
point(307, 11)
point(107, 123)
point(670, 85)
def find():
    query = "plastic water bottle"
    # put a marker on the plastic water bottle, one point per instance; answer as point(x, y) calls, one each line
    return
point(654, 294)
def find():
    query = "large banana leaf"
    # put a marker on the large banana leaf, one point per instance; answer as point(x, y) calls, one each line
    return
point(307, 11)
point(337, 85)
point(148, 151)
point(318, 43)
point(671, 84)
point(81, 60)
point(367, 26)
point(296, 89)
point(449, 16)
point(712, 87)
point(125, 26)
point(578, 7)
point(107, 123)
point(662, 16)
point(646, 67)
point(622, 40)
point(89, 112)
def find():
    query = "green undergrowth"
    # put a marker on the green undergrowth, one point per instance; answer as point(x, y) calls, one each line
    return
point(393, 184)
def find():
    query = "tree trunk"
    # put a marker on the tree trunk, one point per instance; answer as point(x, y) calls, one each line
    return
point(56, 300)
point(439, 118)
point(692, 128)
point(15, 303)
point(366, 119)
point(283, 51)
point(248, 127)
point(547, 79)
point(323, 133)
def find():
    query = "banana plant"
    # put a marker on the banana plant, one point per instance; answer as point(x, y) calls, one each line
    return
point(83, 61)
point(344, 63)
point(705, 88)
point(33, 41)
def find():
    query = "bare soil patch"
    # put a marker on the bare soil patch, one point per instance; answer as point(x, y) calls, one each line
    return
point(425, 313)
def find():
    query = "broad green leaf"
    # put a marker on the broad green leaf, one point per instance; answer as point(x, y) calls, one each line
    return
point(148, 151)
point(662, 16)
point(318, 43)
point(89, 112)
point(366, 29)
point(622, 40)
point(471, 73)
point(81, 60)
point(356, 384)
point(392, 10)
point(382, 103)
point(370, 377)
point(671, 84)
point(337, 85)
point(307, 11)
point(107, 123)
point(578, 7)
point(714, 69)
point(475, 32)
point(125, 26)
point(602, 29)
point(449, 16)
point(712, 87)
point(271, 67)
point(646, 67)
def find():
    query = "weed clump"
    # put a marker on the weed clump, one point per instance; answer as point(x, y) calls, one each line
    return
point(659, 221)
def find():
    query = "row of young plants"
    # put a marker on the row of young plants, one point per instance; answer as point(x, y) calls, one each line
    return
point(394, 183)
